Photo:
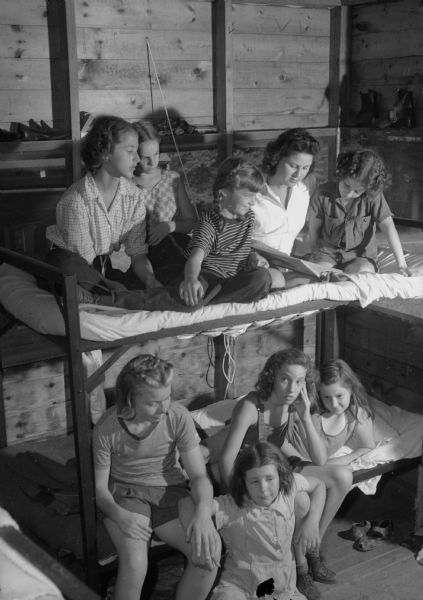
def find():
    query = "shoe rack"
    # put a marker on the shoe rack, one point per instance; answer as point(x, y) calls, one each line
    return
point(34, 173)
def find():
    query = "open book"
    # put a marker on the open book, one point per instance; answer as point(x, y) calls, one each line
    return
point(281, 259)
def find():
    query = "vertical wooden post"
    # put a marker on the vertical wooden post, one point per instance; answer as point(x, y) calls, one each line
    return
point(339, 59)
point(64, 77)
point(222, 29)
point(220, 381)
point(327, 338)
point(3, 434)
point(82, 432)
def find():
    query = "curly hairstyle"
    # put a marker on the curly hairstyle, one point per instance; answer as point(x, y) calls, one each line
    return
point(236, 173)
point(337, 370)
point(146, 133)
point(144, 369)
point(259, 455)
point(289, 356)
point(104, 133)
point(287, 143)
point(366, 166)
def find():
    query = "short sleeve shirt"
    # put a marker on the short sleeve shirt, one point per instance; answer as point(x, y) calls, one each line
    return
point(226, 243)
point(150, 461)
point(351, 229)
point(259, 543)
point(276, 225)
point(161, 201)
point(85, 226)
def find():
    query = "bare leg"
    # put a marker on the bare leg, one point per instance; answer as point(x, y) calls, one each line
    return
point(196, 581)
point(338, 481)
point(133, 560)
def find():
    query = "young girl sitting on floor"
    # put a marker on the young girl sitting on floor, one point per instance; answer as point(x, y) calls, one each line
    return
point(139, 481)
point(170, 215)
point(256, 521)
point(344, 215)
point(279, 410)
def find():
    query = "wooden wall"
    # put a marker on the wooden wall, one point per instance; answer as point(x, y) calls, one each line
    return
point(387, 52)
point(37, 400)
point(280, 65)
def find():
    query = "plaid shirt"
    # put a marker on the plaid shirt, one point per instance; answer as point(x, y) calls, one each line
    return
point(85, 226)
point(162, 200)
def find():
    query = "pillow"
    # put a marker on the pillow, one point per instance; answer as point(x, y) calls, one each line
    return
point(22, 298)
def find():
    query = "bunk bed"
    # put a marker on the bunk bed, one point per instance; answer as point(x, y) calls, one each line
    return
point(69, 330)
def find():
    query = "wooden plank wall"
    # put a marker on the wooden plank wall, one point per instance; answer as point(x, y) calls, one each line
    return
point(280, 54)
point(36, 396)
point(386, 354)
point(387, 52)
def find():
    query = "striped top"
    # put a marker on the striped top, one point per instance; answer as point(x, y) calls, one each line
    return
point(226, 242)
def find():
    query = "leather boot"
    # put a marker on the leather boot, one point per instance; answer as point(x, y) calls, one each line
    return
point(404, 109)
point(368, 113)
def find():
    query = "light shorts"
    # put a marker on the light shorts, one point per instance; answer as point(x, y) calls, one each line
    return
point(159, 503)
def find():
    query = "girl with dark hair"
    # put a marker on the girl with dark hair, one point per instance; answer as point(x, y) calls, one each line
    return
point(345, 416)
point(256, 521)
point(345, 213)
point(280, 410)
point(281, 208)
point(139, 480)
point(102, 212)
point(170, 215)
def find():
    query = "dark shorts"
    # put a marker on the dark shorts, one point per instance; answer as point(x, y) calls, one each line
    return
point(159, 503)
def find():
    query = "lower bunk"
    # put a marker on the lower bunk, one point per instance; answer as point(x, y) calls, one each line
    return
point(75, 330)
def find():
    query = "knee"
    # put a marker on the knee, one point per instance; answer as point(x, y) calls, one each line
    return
point(301, 505)
point(278, 280)
point(342, 478)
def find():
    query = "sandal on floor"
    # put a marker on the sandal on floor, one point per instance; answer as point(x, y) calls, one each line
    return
point(381, 530)
point(364, 544)
point(359, 529)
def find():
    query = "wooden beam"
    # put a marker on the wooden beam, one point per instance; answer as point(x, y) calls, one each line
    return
point(222, 29)
point(64, 77)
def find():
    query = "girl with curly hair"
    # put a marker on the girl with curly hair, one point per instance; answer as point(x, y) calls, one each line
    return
point(280, 410)
point(345, 213)
point(102, 212)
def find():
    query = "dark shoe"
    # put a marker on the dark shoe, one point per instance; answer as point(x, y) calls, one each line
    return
point(368, 113)
point(319, 570)
point(9, 136)
point(307, 587)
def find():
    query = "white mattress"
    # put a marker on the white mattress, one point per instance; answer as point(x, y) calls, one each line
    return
point(37, 308)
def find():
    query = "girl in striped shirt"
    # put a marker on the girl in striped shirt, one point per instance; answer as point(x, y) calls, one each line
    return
point(219, 253)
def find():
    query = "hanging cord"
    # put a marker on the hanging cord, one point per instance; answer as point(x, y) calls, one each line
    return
point(149, 77)
point(188, 189)
point(228, 363)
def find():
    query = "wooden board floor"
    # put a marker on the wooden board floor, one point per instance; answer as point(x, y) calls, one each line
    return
point(389, 572)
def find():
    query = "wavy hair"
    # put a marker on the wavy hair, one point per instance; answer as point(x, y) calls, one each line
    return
point(337, 370)
point(236, 173)
point(366, 166)
point(287, 143)
point(144, 369)
point(259, 455)
point(146, 133)
point(289, 356)
point(104, 133)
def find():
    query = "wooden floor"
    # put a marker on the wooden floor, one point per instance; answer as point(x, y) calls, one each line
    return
point(388, 572)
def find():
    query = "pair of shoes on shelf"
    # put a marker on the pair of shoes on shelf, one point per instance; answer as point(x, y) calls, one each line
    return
point(402, 113)
point(37, 131)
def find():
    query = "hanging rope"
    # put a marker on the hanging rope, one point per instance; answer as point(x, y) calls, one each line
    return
point(228, 363)
point(188, 189)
